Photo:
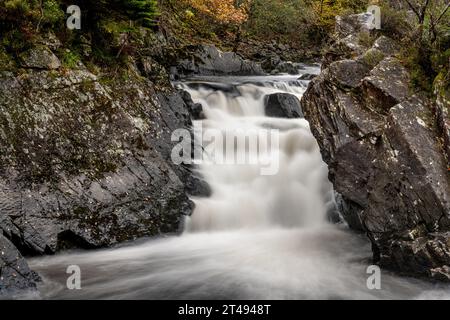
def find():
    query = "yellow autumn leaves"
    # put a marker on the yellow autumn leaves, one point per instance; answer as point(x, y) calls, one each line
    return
point(223, 11)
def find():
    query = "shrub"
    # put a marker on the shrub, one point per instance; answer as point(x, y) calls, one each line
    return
point(394, 22)
point(70, 59)
point(52, 13)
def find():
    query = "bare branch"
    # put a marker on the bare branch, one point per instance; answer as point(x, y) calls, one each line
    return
point(41, 10)
point(413, 8)
point(423, 11)
point(443, 13)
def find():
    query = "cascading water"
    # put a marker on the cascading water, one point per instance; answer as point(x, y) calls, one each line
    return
point(257, 236)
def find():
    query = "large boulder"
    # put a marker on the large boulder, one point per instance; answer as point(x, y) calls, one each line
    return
point(283, 105)
point(207, 60)
point(353, 24)
point(386, 158)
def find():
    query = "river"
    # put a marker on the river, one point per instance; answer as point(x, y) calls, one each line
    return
point(257, 237)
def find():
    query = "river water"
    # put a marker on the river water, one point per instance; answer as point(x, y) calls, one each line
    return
point(259, 236)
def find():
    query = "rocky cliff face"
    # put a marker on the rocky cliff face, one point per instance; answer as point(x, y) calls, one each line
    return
point(85, 161)
point(387, 150)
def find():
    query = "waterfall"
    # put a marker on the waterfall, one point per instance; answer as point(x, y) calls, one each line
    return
point(242, 198)
point(256, 237)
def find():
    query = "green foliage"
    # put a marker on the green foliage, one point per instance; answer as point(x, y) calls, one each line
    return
point(144, 10)
point(17, 6)
point(52, 13)
point(394, 22)
point(271, 17)
point(426, 46)
point(70, 59)
point(327, 10)
point(299, 22)
point(30, 14)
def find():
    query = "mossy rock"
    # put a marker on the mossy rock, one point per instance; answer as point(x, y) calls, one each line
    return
point(373, 57)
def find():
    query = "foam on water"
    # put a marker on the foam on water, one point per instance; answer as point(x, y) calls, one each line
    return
point(256, 237)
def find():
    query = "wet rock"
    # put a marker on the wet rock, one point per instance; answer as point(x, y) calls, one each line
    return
point(307, 77)
point(288, 67)
point(195, 109)
point(198, 187)
point(429, 255)
point(39, 57)
point(271, 63)
point(16, 278)
point(283, 105)
point(386, 159)
point(87, 162)
point(208, 60)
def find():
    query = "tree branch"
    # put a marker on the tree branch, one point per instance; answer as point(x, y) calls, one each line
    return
point(413, 8)
point(41, 10)
point(443, 13)
point(423, 11)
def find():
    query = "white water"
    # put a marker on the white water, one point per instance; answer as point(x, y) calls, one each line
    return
point(256, 237)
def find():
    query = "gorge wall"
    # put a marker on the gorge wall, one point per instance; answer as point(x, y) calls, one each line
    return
point(85, 159)
point(387, 150)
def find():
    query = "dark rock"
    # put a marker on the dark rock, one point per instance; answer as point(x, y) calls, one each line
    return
point(197, 187)
point(347, 73)
point(16, 278)
point(271, 63)
point(307, 77)
point(283, 105)
point(208, 60)
point(351, 212)
point(87, 163)
point(288, 67)
point(195, 109)
point(387, 85)
point(386, 158)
